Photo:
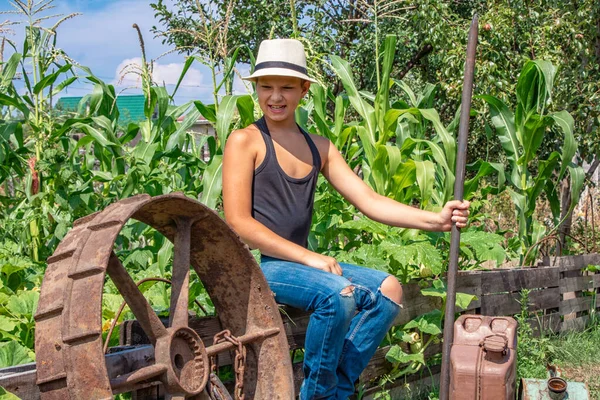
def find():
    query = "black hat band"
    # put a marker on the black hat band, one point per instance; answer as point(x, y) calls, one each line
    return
point(280, 64)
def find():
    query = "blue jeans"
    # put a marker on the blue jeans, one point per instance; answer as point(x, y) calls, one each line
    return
point(344, 329)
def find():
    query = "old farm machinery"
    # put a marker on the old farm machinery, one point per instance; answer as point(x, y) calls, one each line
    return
point(71, 363)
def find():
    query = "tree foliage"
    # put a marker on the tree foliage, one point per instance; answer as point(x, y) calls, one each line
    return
point(564, 32)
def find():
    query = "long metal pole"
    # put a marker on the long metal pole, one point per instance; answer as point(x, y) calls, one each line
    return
point(461, 157)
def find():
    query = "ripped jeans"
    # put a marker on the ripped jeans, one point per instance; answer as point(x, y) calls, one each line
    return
point(345, 327)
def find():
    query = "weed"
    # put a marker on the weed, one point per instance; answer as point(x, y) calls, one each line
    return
point(533, 352)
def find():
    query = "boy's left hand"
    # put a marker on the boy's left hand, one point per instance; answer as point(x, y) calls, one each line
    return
point(454, 211)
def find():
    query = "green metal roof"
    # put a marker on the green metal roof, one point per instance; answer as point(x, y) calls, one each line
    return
point(131, 108)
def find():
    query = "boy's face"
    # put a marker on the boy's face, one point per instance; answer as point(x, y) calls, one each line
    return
point(278, 96)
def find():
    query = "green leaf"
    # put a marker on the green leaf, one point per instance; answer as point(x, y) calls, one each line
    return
point(212, 182)
point(24, 303)
point(225, 117)
point(98, 135)
point(102, 176)
point(404, 177)
point(365, 224)
point(50, 79)
point(145, 151)
point(504, 121)
point(463, 300)
point(67, 82)
point(186, 66)
point(12, 353)
point(577, 179)
point(487, 245)
point(484, 169)
point(532, 135)
point(411, 95)
point(395, 355)
point(434, 292)
point(545, 170)
point(320, 114)
point(6, 395)
point(414, 253)
point(382, 102)
point(178, 137)
point(430, 323)
point(245, 106)
point(447, 139)
point(14, 102)
point(363, 108)
point(207, 112)
point(8, 71)
point(534, 87)
point(7, 324)
point(425, 179)
point(367, 143)
point(565, 121)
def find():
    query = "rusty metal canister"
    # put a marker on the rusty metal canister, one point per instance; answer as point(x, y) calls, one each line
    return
point(483, 359)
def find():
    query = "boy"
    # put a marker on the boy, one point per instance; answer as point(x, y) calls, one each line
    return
point(270, 171)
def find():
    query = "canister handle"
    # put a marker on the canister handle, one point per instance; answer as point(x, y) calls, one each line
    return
point(495, 344)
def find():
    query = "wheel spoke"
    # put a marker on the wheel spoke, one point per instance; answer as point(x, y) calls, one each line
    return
point(147, 318)
point(178, 315)
point(129, 380)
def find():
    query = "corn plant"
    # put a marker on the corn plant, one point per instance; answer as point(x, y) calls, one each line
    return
point(401, 158)
point(521, 133)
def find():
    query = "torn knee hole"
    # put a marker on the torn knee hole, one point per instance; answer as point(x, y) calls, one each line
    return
point(347, 291)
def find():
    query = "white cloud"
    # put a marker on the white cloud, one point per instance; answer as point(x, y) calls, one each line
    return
point(127, 74)
point(103, 40)
point(240, 86)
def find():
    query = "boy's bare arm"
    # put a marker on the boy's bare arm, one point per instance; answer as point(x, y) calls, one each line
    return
point(238, 171)
point(384, 209)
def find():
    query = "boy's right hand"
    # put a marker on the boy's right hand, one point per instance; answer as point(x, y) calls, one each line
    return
point(324, 263)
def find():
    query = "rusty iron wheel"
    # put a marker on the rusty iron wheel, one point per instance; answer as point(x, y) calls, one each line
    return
point(70, 357)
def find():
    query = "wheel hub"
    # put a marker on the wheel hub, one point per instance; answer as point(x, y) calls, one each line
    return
point(184, 355)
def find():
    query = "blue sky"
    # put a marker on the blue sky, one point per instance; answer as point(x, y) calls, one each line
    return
point(103, 39)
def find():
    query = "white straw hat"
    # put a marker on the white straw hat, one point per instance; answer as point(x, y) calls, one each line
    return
point(280, 57)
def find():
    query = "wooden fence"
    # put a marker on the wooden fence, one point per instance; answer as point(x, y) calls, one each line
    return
point(562, 297)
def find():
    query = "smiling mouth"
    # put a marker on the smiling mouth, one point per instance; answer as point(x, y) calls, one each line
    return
point(276, 108)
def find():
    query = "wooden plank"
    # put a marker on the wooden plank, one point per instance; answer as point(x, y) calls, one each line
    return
point(577, 324)
point(512, 280)
point(567, 263)
point(578, 304)
point(417, 306)
point(545, 323)
point(578, 283)
point(408, 387)
point(469, 282)
point(21, 384)
point(17, 368)
point(509, 303)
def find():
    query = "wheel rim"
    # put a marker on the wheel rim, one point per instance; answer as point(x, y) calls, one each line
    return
point(68, 319)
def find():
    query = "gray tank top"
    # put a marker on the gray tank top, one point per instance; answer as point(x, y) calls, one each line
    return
point(282, 203)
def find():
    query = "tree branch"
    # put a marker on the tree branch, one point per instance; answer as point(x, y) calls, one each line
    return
point(417, 57)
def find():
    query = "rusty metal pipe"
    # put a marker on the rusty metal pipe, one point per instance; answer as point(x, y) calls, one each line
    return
point(129, 381)
point(244, 339)
point(461, 158)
